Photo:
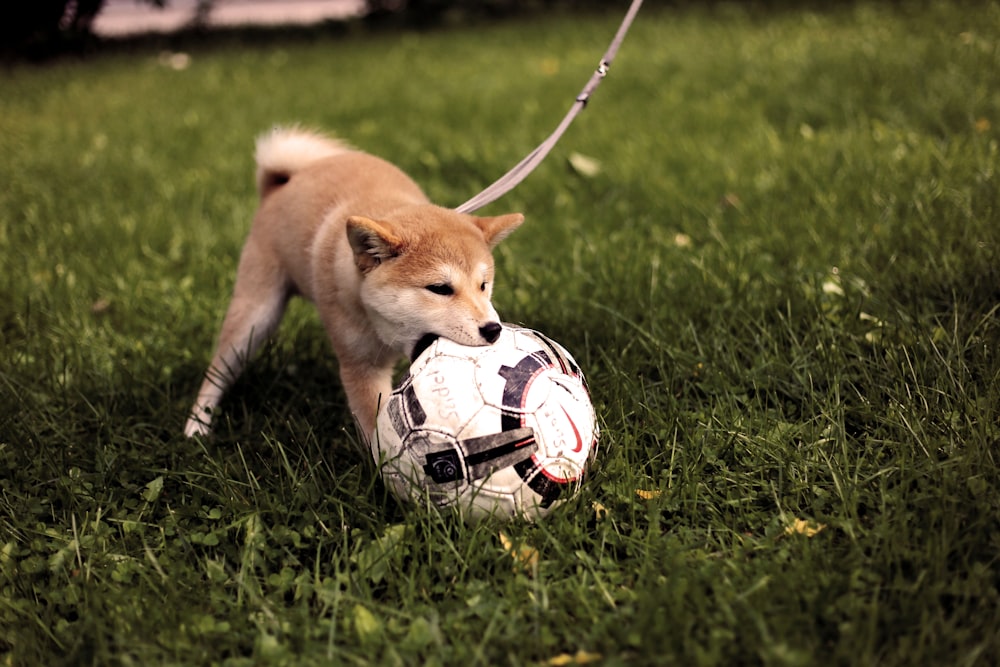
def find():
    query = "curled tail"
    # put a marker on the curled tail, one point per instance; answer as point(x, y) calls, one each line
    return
point(285, 150)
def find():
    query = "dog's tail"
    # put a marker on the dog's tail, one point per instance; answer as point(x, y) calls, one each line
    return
point(285, 150)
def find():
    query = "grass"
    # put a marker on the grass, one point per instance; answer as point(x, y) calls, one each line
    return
point(783, 286)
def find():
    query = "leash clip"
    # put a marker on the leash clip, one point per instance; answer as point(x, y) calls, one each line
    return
point(600, 73)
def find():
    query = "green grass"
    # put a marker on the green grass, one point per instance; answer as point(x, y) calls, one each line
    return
point(783, 287)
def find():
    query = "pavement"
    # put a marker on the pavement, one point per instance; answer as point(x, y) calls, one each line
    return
point(122, 18)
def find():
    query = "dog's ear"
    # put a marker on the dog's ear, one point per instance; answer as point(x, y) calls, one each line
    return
point(497, 228)
point(373, 242)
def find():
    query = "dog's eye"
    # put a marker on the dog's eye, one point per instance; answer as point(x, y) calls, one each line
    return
point(444, 289)
point(482, 288)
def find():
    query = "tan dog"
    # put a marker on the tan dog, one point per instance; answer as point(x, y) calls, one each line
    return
point(358, 238)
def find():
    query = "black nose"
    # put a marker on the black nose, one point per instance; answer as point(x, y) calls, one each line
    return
point(490, 332)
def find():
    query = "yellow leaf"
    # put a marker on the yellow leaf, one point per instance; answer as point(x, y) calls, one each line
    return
point(579, 658)
point(803, 527)
point(600, 511)
point(550, 66)
point(582, 657)
point(367, 626)
point(648, 494)
point(505, 541)
point(525, 557)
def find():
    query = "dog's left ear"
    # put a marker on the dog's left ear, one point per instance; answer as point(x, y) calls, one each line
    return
point(497, 228)
point(373, 242)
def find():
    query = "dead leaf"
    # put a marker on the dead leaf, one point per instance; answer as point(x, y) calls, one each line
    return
point(175, 61)
point(584, 165)
point(831, 287)
point(600, 511)
point(682, 240)
point(648, 494)
point(730, 200)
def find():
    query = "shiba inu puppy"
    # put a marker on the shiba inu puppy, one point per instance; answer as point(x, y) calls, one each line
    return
point(384, 267)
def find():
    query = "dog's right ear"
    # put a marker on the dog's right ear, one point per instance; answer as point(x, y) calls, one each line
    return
point(499, 227)
point(373, 242)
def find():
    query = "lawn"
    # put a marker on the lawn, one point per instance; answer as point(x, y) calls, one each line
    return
point(782, 281)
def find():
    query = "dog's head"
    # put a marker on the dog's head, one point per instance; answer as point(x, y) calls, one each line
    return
point(428, 270)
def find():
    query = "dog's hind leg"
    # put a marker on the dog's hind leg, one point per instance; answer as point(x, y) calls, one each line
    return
point(259, 299)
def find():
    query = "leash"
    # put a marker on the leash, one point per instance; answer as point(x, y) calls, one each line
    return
point(520, 171)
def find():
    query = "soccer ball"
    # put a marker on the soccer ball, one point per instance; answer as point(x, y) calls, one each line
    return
point(504, 430)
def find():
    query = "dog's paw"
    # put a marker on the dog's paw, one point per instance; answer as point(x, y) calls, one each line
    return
point(198, 426)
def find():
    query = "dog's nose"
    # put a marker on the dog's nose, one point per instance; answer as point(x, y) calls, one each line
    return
point(490, 332)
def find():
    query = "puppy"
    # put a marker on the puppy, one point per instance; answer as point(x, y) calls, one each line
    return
point(385, 268)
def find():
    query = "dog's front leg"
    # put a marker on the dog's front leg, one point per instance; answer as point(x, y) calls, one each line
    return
point(367, 387)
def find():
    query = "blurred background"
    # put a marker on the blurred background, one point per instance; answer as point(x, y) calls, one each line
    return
point(50, 27)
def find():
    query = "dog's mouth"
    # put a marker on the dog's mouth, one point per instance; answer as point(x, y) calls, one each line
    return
point(422, 344)
point(489, 334)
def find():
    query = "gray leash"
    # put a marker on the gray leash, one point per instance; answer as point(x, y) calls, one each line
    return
point(520, 171)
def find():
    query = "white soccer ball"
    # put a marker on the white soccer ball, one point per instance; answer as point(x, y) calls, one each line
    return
point(504, 430)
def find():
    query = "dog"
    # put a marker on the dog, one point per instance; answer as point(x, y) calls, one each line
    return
point(384, 267)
